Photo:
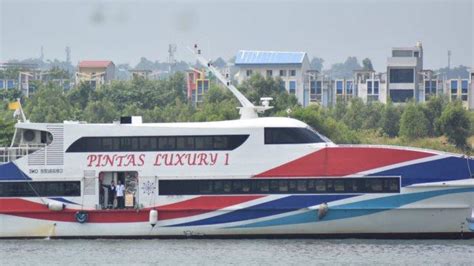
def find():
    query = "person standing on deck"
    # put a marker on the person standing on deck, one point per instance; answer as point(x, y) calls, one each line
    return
point(120, 189)
point(110, 194)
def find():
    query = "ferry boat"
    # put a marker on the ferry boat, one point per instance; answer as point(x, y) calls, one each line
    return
point(252, 177)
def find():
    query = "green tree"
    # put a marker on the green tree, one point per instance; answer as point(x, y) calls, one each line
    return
point(6, 125)
point(48, 104)
point(80, 95)
point(57, 73)
point(316, 117)
point(317, 64)
point(355, 114)
point(433, 109)
point(390, 120)
point(100, 112)
point(257, 87)
point(346, 69)
point(455, 124)
point(367, 65)
point(10, 95)
point(413, 123)
point(373, 115)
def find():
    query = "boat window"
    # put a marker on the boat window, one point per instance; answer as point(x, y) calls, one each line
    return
point(160, 143)
point(167, 143)
point(40, 189)
point(185, 143)
point(283, 185)
point(203, 143)
point(301, 186)
point(291, 135)
point(333, 185)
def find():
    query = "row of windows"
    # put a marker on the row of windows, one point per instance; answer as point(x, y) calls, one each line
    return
point(7, 84)
point(292, 87)
point(290, 135)
point(430, 87)
point(402, 75)
point(315, 87)
point(401, 96)
point(373, 87)
point(162, 143)
point(41, 189)
point(280, 186)
point(269, 73)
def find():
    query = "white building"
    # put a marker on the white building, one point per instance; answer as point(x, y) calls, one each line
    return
point(458, 89)
point(95, 72)
point(370, 86)
point(291, 67)
point(321, 90)
point(404, 74)
point(471, 92)
point(430, 86)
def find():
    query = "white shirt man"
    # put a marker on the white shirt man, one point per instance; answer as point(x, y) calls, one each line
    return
point(120, 188)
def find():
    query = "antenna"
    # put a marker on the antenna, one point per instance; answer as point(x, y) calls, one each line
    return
point(449, 59)
point(42, 53)
point(171, 58)
point(68, 54)
point(248, 110)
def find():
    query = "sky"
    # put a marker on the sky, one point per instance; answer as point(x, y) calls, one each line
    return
point(124, 31)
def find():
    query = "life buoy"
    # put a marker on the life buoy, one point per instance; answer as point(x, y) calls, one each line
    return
point(81, 216)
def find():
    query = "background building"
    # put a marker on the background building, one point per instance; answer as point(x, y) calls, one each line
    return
point(404, 76)
point(471, 92)
point(140, 73)
point(458, 89)
point(291, 67)
point(431, 85)
point(95, 72)
point(197, 85)
point(370, 86)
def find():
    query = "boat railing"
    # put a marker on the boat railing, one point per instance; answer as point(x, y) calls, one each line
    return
point(9, 154)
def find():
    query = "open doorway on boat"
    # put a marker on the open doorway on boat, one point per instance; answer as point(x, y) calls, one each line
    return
point(118, 190)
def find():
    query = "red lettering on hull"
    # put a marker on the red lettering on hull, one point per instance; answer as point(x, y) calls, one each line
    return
point(160, 159)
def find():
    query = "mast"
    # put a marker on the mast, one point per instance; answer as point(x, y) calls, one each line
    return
point(248, 109)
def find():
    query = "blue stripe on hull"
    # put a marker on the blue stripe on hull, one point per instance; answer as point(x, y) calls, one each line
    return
point(357, 209)
point(10, 171)
point(287, 204)
point(447, 169)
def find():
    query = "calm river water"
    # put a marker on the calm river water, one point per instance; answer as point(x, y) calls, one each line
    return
point(236, 252)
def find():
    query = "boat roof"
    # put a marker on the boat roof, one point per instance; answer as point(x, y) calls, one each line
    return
point(240, 123)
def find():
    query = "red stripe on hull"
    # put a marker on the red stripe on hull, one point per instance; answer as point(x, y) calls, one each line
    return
point(187, 208)
point(200, 205)
point(341, 161)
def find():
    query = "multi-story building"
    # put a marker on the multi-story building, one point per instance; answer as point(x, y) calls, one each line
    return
point(140, 73)
point(458, 89)
point(197, 85)
point(431, 85)
point(320, 90)
point(291, 67)
point(404, 76)
point(7, 84)
point(471, 92)
point(343, 90)
point(95, 72)
point(370, 86)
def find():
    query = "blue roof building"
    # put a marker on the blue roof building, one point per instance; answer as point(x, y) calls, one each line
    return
point(290, 67)
point(244, 57)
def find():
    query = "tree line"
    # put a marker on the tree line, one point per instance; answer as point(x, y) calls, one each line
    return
point(351, 121)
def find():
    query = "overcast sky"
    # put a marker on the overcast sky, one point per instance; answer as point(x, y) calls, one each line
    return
point(124, 31)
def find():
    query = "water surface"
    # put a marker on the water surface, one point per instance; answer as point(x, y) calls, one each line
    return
point(236, 252)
